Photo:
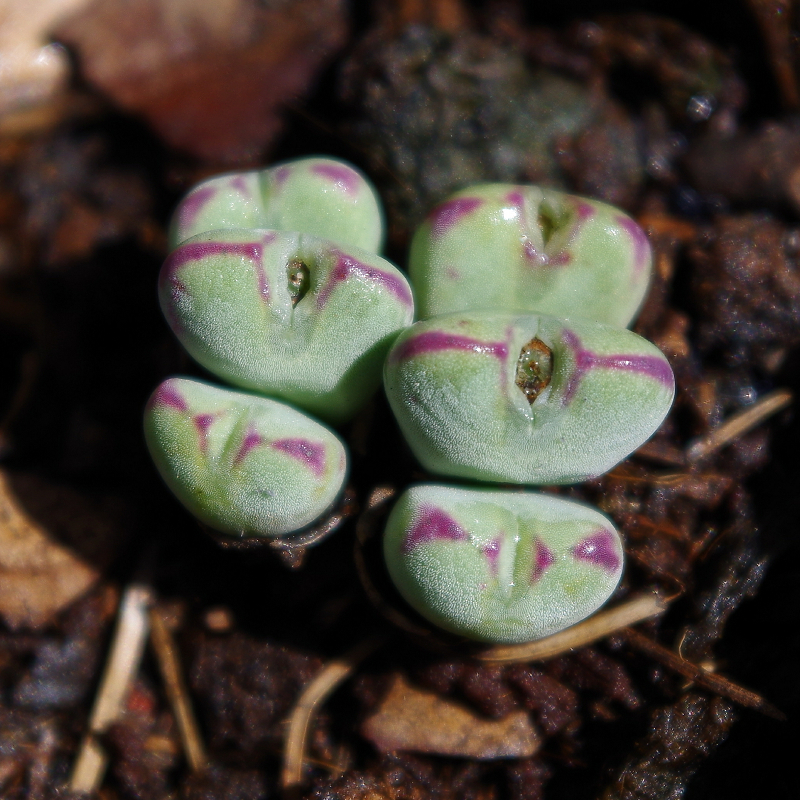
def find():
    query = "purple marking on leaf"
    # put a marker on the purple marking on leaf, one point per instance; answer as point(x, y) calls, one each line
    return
point(450, 212)
point(338, 174)
point(281, 175)
point(239, 184)
point(583, 210)
point(432, 524)
point(203, 422)
point(195, 251)
point(492, 553)
point(193, 204)
point(435, 341)
point(531, 253)
point(515, 198)
point(652, 366)
point(600, 549)
point(167, 395)
point(542, 561)
point(641, 244)
point(310, 453)
point(261, 275)
point(560, 259)
point(347, 266)
point(251, 439)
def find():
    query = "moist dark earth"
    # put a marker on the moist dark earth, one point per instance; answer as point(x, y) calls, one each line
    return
point(684, 115)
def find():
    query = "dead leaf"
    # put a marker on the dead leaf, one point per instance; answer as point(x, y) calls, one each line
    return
point(409, 718)
point(39, 574)
point(211, 78)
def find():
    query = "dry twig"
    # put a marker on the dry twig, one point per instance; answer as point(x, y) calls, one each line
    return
point(590, 630)
point(331, 675)
point(170, 667)
point(699, 675)
point(738, 424)
point(127, 648)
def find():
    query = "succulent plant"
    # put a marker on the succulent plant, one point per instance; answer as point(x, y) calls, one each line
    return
point(527, 399)
point(286, 314)
point(274, 286)
point(525, 248)
point(245, 465)
point(320, 196)
point(500, 566)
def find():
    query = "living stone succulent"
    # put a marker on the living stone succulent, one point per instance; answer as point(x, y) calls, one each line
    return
point(245, 465)
point(285, 314)
point(500, 566)
point(526, 248)
point(526, 399)
point(274, 285)
point(321, 196)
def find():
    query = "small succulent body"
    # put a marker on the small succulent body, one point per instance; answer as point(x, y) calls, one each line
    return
point(245, 465)
point(274, 285)
point(526, 399)
point(285, 314)
point(525, 248)
point(500, 566)
point(320, 196)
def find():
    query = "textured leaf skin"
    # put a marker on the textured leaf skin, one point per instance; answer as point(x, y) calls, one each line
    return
point(245, 465)
point(450, 381)
point(323, 197)
point(227, 298)
point(525, 248)
point(500, 566)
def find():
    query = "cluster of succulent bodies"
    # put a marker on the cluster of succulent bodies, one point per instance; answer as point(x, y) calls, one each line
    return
point(519, 371)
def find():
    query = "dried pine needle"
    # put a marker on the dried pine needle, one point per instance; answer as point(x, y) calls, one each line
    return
point(312, 697)
point(699, 675)
point(738, 424)
point(175, 686)
point(123, 662)
point(590, 630)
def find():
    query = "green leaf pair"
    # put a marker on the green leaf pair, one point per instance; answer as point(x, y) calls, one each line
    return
point(274, 286)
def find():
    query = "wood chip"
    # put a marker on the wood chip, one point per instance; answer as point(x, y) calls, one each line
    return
point(422, 721)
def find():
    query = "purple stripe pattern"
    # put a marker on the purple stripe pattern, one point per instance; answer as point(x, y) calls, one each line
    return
point(251, 440)
point(652, 366)
point(599, 549)
point(542, 561)
point(347, 266)
point(444, 216)
point(165, 395)
point(492, 553)
point(196, 251)
point(436, 341)
point(338, 174)
point(641, 245)
point(431, 525)
point(202, 422)
point(281, 175)
point(193, 204)
point(310, 453)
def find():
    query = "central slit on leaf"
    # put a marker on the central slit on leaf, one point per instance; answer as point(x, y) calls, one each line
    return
point(298, 278)
point(550, 219)
point(534, 368)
